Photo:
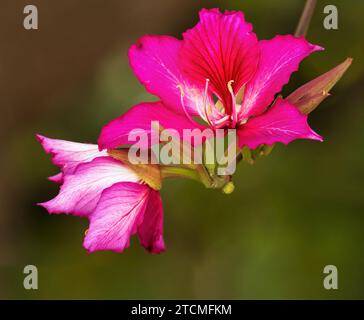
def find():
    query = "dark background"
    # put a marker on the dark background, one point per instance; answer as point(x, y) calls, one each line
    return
point(290, 215)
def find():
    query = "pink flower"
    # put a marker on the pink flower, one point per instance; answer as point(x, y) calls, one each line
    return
point(220, 57)
point(112, 196)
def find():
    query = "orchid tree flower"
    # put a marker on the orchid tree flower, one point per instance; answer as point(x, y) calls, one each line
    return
point(221, 60)
point(219, 76)
point(118, 199)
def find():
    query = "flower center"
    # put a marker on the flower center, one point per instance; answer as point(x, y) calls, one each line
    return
point(215, 114)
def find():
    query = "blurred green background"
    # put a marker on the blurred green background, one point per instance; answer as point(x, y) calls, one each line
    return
point(291, 213)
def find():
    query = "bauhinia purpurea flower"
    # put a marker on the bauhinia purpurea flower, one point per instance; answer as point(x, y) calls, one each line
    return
point(219, 76)
point(111, 194)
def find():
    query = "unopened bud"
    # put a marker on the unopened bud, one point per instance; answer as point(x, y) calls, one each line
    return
point(228, 188)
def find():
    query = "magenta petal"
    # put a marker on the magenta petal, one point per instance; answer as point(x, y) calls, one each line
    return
point(221, 48)
point(154, 60)
point(120, 212)
point(81, 190)
point(150, 230)
point(280, 57)
point(116, 133)
point(57, 178)
point(68, 155)
point(283, 122)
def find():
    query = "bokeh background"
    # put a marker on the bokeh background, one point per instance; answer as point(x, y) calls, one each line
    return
point(291, 213)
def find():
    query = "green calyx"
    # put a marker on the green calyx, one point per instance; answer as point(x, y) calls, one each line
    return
point(149, 173)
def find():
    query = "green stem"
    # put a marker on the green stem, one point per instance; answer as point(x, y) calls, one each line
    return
point(172, 172)
point(204, 175)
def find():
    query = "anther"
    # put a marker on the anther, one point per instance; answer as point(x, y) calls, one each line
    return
point(220, 122)
point(181, 90)
point(243, 121)
point(229, 85)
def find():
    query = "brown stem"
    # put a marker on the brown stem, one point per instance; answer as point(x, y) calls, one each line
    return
point(305, 19)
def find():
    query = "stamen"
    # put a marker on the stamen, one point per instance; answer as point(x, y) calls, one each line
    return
point(219, 123)
point(205, 102)
point(243, 121)
point(229, 85)
point(183, 103)
point(233, 106)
